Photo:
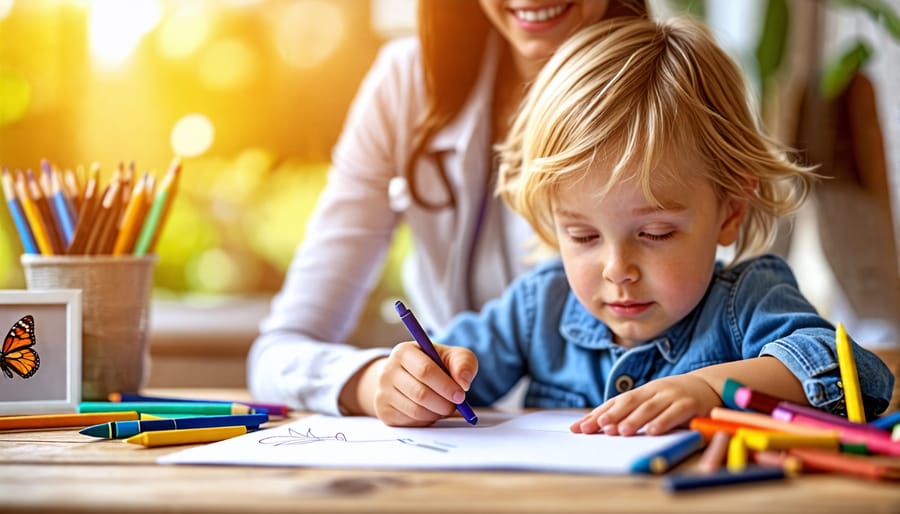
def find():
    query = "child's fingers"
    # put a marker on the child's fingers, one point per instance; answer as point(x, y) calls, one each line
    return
point(418, 364)
point(589, 423)
point(462, 363)
point(640, 415)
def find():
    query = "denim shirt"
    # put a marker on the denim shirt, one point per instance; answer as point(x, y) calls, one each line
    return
point(539, 330)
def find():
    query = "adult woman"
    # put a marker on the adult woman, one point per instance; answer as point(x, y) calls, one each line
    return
point(417, 147)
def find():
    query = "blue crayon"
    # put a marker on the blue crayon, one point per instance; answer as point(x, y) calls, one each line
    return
point(751, 474)
point(123, 429)
point(665, 459)
point(886, 422)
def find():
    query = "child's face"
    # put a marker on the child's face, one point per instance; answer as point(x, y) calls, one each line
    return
point(637, 268)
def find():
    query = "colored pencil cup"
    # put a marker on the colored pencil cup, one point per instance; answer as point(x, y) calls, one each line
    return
point(115, 293)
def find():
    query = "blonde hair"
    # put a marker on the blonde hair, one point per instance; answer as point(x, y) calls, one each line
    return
point(634, 92)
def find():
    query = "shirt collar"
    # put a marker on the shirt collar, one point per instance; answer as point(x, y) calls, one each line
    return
point(581, 328)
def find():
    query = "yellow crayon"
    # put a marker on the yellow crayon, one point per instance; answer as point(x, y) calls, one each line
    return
point(185, 436)
point(737, 453)
point(760, 440)
point(849, 377)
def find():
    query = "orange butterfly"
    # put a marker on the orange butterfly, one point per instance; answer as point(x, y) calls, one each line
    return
point(18, 354)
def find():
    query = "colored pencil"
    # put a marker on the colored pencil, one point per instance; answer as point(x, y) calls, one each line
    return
point(849, 377)
point(158, 212)
point(40, 199)
point(64, 420)
point(186, 436)
point(63, 210)
point(273, 409)
point(33, 215)
point(90, 204)
point(195, 408)
point(134, 214)
point(123, 429)
point(18, 216)
point(107, 219)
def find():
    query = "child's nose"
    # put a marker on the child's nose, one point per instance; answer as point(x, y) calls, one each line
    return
point(619, 266)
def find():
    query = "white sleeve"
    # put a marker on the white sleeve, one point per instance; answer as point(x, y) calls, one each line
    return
point(297, 359)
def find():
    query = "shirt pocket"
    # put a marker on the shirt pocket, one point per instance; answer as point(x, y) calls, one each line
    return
point(546, 396)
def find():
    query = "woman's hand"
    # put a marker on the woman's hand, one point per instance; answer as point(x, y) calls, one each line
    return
point(412, 390)
point(658, 406)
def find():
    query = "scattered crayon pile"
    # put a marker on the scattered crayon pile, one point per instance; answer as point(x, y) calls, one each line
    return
point(760, 437)
point(62, 212)
point(765, 438)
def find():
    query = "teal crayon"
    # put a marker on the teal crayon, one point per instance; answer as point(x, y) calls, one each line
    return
point(196, 408)
point(123, 429)
point(665, 459)
point(273, 409)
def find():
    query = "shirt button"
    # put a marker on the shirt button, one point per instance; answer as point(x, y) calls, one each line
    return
point(624, 383)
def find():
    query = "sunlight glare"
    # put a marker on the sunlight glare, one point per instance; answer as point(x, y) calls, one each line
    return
point(116, 28)
point(15, 92)
point(5, 8)
point(192, 135)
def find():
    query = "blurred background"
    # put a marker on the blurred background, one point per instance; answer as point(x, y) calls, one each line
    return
point(253, 93)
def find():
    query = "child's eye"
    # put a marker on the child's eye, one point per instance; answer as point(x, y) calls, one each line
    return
point(657, 237)
point(582, 239)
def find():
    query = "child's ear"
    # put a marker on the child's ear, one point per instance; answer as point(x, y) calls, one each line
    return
point(735, 211)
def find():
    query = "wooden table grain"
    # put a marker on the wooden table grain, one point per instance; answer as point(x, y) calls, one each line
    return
point(63, 471)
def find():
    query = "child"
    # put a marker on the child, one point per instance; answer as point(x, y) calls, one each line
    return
point(636, 155)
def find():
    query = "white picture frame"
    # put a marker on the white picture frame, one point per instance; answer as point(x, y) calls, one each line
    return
point(55, 385)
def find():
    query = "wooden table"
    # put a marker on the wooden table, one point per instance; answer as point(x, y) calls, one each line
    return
point(63, 471)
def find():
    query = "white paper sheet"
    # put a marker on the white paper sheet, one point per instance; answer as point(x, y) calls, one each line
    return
point(538, 441)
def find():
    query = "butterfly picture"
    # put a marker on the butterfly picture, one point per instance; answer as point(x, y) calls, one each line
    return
point(18, 353)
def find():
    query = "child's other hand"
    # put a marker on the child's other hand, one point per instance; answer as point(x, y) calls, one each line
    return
point(412, 390)
point(658, 406)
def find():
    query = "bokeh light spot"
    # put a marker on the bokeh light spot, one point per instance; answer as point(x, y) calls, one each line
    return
point(15, 97)
point(227, 64)
point(309, 31)
point(184, 31)
point(192, 135)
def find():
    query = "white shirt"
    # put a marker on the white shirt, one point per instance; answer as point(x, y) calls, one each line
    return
point(298, 358)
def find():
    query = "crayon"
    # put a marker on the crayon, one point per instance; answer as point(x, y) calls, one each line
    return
point(886, 422)
point(729, 389)
point(708, 426)
point(757, 420)
point(64, 420)
point(715, 453)
point(736, 460)
point(186, 436)
point(272, 409)
point(757, 440)
point(747, 398)
point(868, 467)
point(791, 464)
point(123, 429)
point(849, 377)
point(665, 459)
point(195, 408)
point(753, 474)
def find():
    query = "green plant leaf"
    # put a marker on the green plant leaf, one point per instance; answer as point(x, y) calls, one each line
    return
point(773, 40)
point(838, 73)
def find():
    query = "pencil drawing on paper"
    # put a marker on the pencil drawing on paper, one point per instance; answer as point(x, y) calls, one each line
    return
point(295, 437)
